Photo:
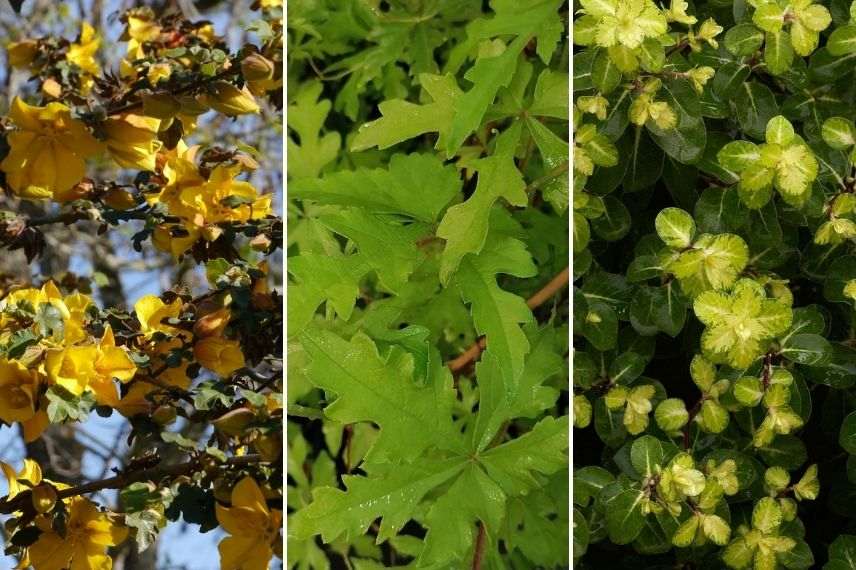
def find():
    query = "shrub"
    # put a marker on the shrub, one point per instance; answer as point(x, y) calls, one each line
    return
point(714, 284)
point(428, 263)
point(101, 158)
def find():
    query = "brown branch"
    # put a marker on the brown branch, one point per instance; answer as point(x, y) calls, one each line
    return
point(124, 479)
point(556, 284)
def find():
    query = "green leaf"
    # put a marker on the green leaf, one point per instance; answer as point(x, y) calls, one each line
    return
point(743, 39)
point(615, 221)
point(497, 314)
point(847, 434)
point(588, 482)
point(391, 496)
point(623, 508)
point(757, 106)
point(554, 153)
point(306, 116)
point(414, 185)
point(146, 525)
point(646, 454)
point(604, 73)
point(517, 465)
point(403, 120)
point(842, 40)
point(675, 227)
point(323, 278)
point(370, 387)
point(465, 226)
point(808, 349)
point(778, 51)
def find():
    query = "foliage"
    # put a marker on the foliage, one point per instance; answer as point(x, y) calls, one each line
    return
point(178, 363)
point(427, 259)
point(714, 283)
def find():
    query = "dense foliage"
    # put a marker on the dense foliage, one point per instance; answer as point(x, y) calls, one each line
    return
point(714, 284)
point(178, 363)
point(427, 301)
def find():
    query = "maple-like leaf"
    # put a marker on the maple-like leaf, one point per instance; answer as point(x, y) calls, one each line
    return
point(322, 278)
point(497, 314)
point(414, 185)
point(306, 117)
point(465, 226)
point(402, 120)
point(379, 388)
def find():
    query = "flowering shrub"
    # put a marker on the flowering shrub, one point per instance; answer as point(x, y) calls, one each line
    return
point(178, 363)
point(428, 269)
point(714, 284)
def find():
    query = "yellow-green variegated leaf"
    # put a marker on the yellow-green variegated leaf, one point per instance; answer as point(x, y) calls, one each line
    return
point(675, 227)
point(775, 318)
point(767, 515)
point(599, 8)
point(686, 533)
point(779, 131)
point(808, 486)
point(716, 529)
point(702, 372)
point(601, 151)
point(712, 308)
point(815, 17)
point(778, 52)
point(725, 256)
point(770, 17)
point(838, 133)
point(748, 392)
point(671, 414)
point(737, 156)
point(804, 40)
point(712, 417)
point(796, 170)
point(623, 58)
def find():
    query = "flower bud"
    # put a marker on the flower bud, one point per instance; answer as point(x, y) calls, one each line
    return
point(256, 66)
point(229, 100)
point(234, 422)
point(44, 497)
point(22, 53)
point(164, 415)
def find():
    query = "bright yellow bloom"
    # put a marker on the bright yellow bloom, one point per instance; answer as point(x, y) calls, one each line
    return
point(76, 305)
point(158, 72)
point(111, 362)
point(270, 3)
point(82, 53)
point(48, 151)
point(30, 474)
point(19, 389)
point(72, 367)
point(89, 533)
point(209, 200)
point(151, 312)
point(219, 355)
point(254, 529)
point(132, 140)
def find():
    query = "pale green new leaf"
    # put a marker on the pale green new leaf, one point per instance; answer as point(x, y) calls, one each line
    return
point(403, 120)
point(306, 117)
point(465, 226)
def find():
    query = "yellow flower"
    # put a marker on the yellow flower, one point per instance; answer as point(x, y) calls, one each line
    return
point(48, 151)
point(229, 100)
point(253, 528)
point(213, 323)
point(75, 309)
point(19, 389)
point(82, 53)
point(111, 362)
point(219, 355)
point(158, 72)
point(21, 54)
point(174, 239)
point(89, 533)
point(151, 312)
point(133, 140)
point(209, 200)
point(72, 367)
point(30, 474)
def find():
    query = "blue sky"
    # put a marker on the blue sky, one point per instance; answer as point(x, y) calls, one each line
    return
point(182, 547)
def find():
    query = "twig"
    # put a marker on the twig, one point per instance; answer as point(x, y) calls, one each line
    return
point(554, 286)
point(478, 555)
point(124, 479)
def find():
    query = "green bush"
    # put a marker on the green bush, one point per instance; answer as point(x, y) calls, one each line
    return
point(428, 251)
point(714, 284)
